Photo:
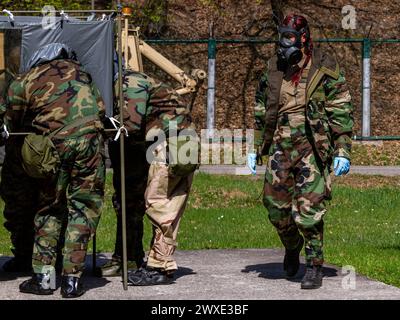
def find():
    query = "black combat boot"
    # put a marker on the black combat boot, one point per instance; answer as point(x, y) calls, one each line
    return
point(313, 278)
point(150, 276)
point(38, 284)
point(291, 262)
point(71, 287)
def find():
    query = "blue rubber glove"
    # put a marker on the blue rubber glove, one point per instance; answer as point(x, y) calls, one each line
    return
point(251, 162)
point(341, 166)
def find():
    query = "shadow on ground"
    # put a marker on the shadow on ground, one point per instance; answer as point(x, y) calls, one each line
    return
point(275, 271)
point(89, 281)
point(182, 272)
point(9, 276)
point(102, 259)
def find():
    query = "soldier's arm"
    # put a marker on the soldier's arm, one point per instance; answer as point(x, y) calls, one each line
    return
point(166, 106)
point(259, 112)
point(16, 105)
point(339, 110)
point(168, 110)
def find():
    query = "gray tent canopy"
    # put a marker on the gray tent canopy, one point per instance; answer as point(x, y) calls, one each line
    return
point(92, 41)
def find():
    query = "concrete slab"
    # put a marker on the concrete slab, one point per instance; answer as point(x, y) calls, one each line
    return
point(236, 274)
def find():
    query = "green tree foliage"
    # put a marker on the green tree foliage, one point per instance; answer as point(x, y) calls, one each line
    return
point(150, 15)
point(39, 4)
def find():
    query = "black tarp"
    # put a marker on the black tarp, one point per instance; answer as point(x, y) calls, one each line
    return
point(93, 42)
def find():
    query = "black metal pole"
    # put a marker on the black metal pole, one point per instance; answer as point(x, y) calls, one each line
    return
point(122, 152)
point(94, 262)
point(65, 11)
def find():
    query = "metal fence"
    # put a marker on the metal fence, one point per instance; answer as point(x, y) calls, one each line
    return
point(366, 50)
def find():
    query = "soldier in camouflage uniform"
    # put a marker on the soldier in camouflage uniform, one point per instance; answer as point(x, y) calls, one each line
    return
point(304, 120)
point(136, 173)
point(59, 95)
point(15, 184)
point(150, 108)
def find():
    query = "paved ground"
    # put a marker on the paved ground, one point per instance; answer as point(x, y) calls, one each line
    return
point(252, 274)
point(243, 170)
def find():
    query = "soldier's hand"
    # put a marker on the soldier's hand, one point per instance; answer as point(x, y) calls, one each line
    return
point(252, 162)
point(341, 166)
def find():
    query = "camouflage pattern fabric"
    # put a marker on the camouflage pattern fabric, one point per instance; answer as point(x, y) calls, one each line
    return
point(296, 186)
point(328, 107)
point(56, 94)
point(166, 197)
point(150, 105)
point(136, 172)
point(301, 147)
point(15, 185)
point(80, 183)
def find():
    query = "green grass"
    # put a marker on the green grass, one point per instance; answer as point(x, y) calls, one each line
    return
point(362, 227)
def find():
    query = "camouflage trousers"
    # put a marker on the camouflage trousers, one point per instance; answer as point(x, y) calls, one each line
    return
point(20, 194)
point(79, 184)
point(296, 186)
point(136, 172)
point(166, 197)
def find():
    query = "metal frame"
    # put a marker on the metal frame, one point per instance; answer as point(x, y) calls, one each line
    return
point(121, 129)
point(66, 11)
point(122, 151)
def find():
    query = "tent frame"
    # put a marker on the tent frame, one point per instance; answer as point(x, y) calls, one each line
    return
point(121, 129)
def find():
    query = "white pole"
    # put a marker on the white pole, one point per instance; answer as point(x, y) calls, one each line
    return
point(212, 50)
point(366, 89)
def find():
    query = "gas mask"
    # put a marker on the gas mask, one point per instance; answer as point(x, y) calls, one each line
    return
point(290, 44)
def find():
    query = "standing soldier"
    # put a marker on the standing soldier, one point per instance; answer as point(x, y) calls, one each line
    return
point(136, 173)
point(304, 120)
point(15, 184)
point(67, 110)
point(151, 107)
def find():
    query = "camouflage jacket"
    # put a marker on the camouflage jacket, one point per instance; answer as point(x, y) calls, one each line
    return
point(53, 95)
point(329, 112)
point(150, 106)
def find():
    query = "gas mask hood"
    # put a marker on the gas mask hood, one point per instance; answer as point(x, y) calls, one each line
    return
point(51, 52)
point(290, 44)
